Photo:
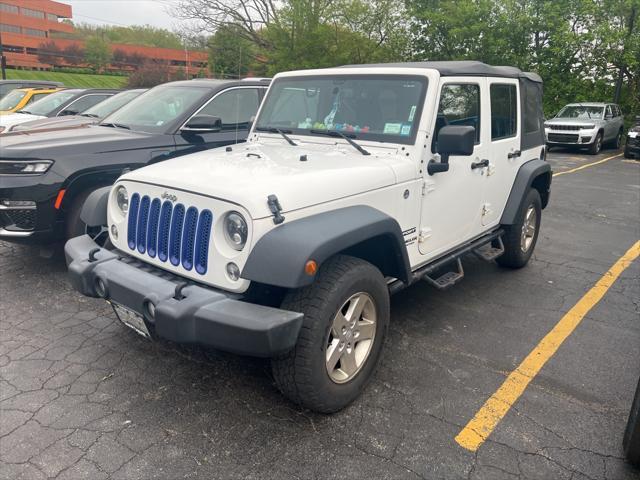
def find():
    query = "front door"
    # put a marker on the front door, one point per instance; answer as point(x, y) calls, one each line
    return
point(452, 201)
point(505, 158)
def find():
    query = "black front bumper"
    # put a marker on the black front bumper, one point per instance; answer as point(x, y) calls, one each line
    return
point(204, 316)
point(633, 145)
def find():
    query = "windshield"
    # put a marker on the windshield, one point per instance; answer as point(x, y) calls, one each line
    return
point(152, 111)
point(11, 99)
point(582, 112)
point(384, 108)
point(48, 104)
point(111, 104)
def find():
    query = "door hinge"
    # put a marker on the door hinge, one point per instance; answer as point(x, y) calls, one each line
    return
point(486, 209)
point(428, 187)
point(425, 234)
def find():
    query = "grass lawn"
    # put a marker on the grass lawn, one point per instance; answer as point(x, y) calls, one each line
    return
point(77, 80)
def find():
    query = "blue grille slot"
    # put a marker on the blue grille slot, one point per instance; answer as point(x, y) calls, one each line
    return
point(176, 232)
point(143, 218)
point(133, 218)
point(152, 228)
point(189, 237)
point(202, 241)
point(163, 230)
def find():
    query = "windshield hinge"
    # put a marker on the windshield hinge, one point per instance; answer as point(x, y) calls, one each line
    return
point(274, 206)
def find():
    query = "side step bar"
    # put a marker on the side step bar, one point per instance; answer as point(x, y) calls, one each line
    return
point(450, 278)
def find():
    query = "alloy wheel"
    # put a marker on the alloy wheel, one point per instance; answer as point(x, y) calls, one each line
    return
point(528, 229)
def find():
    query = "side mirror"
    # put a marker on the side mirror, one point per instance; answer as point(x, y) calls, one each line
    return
point(452, 140)
point(203, 124)
point(608, 116)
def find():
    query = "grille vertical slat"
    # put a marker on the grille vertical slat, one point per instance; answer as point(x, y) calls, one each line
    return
point(143, 218)
point(189, 237)
point(177, 220)
point(171, 232)
point(152, 229)
point(163, 230)
point(202, 241)
point(133, 220)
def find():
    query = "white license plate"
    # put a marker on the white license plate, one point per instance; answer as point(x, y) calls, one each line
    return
point(131, 319)
point(633, 134)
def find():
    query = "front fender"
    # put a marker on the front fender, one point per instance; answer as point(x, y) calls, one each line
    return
point(94, 210)
point(279, 257)
point(534, 173)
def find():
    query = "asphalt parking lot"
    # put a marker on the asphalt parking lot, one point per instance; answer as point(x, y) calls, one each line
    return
point(83, 397)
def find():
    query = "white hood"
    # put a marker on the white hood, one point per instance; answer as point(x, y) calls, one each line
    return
point(8, 121)
point(251, 172)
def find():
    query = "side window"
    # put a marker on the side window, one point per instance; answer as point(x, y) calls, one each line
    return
point(83, 103)
point(235, 107)
point(617, 111)
point(608, 112)
point(459, 105)
point(504, 110)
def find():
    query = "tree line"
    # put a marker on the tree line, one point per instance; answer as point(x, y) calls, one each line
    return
point(583, 49)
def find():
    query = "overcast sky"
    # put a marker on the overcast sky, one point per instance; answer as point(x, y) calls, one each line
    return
point(123, 12)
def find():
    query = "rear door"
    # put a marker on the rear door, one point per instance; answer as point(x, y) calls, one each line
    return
point(452, 201)
point(505, 157)
point(236, 107)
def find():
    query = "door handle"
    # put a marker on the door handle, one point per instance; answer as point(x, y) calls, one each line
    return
point(480, 164)
point(515, 154)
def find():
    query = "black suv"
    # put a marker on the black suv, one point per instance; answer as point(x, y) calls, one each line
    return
point(45, 176)
point(632, 144)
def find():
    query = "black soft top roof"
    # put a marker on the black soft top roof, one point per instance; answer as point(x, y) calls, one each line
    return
point(460, 68)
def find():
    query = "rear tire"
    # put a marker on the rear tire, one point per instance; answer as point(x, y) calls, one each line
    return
point(520, 238)
point(631, 442)
point(596, 146)
point(346, 311)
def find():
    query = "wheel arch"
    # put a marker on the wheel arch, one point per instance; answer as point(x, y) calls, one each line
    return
point(279, 257)
point(536, 174)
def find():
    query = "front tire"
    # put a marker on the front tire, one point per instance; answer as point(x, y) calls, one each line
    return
point(520, 238)
point(596, 146)
point(346, 315)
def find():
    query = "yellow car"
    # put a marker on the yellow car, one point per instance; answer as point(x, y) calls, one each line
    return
point(21, 97)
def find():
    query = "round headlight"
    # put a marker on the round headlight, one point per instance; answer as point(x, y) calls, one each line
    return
point(235, 230)
point(122, 199)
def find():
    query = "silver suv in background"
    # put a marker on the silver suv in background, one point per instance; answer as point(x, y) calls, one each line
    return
point(587, 125)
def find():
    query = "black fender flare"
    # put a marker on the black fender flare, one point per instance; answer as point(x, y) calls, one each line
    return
point(534, 173)
point(94, 210)
point(279, 257)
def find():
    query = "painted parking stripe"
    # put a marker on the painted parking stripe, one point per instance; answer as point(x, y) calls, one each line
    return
point(556, 174)
point(497, 406)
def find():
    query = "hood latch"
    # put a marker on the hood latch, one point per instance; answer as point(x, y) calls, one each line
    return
point(274, 206)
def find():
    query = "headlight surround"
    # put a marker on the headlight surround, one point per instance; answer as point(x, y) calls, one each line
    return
point(588, 127)
point(122, 199)
point(235, 230)
point(24, 167)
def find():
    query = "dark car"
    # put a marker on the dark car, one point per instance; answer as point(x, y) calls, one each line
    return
point(65, 102)
point(90, 116)
point(7, 85)
point(45, 176)
point(632, 144)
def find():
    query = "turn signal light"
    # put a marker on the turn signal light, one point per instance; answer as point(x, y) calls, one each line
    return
point(311, 267)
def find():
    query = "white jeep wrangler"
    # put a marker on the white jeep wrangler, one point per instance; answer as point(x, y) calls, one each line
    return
point(355, 183)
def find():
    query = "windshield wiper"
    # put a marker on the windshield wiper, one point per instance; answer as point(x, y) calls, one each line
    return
point(280, 131)
point(92, 115)
point(116, 125)
point(336, 133)
point(24, 111)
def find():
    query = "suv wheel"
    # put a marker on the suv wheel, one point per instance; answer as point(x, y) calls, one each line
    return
point(346, 315)
point(520, 238)
point(617, 142)
point(76, 227)
point(596, 146)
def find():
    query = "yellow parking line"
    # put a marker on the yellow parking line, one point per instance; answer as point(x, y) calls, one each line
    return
point(587, 165)
point(496, 407)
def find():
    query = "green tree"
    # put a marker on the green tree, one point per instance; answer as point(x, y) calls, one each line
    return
point(97, 53)
point(230, 54)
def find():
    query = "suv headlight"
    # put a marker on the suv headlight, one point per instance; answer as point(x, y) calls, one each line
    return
point(235, 230)
point(20, 167)
point(122, 199)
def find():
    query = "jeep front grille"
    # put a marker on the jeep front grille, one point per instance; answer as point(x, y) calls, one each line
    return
point(172, 232)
